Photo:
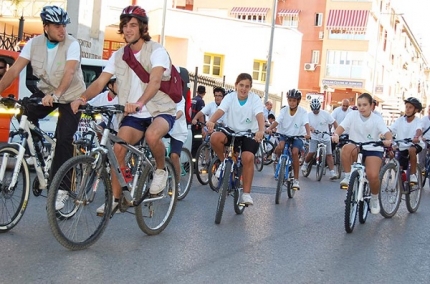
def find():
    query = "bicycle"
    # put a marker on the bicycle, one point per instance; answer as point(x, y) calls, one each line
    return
point(336, 154)
point(426, 171)
point(229, 182)
point(319, 157)
point(80, 176)
point(395, 182)
point(14, 168)
point(358, 191)
point(285, 166)
point(204, 156)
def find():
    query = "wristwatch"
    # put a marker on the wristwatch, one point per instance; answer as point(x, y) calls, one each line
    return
point(56, 99)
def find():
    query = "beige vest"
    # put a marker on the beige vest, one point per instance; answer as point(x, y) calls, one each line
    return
point(161, 103)
point(51, 79)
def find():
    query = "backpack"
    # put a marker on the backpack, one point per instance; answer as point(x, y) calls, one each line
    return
point(173, 88)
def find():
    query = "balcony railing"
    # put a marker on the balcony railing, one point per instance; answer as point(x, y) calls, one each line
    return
point(27, 8)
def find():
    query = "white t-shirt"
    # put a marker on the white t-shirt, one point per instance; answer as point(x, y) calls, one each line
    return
point(179, 130)
point(210, 109)
point(367, 129)
point(320, 122)
point(425, 124)
point(73, 53)
point(339, 115)
point(292, 125)
point(159, 57)
point(102, 99)
point(404, 129)
point(241, 118)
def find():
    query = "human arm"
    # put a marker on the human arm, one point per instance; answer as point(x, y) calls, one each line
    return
point(339, 130)
point(272, 126)
point(213, 119)
point(197, 117)
point(260, 133)
point(308, 131)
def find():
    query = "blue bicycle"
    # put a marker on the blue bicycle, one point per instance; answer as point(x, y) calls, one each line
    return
point(285, 166)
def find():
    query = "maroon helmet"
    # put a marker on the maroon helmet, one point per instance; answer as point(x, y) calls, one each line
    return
point(135, 11)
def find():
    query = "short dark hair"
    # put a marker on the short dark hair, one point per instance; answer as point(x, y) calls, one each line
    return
point(3, 61)
point(201, 89)
point(366, 96)
point(219, 89)
point(272, 116)
point(143, 27)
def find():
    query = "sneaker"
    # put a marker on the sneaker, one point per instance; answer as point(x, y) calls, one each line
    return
point(333, 175)
point(374, 206)
point(246, 199)
point(304, 167)
point(218, 172)
point(101, 209)
point(158, 182)
point(413, 178)
point(296, 185)
point(62, 196)
point(344, 183)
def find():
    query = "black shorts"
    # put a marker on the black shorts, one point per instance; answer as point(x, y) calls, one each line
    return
point(404, 156)
point(247, 144)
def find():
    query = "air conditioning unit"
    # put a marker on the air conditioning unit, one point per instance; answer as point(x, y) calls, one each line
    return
point(321, 35)
point(310, 66)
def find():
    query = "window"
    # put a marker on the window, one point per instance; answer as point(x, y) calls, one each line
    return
point(347, 35)
point(291, 20)
point(254, 18)
point(212, 64)
point(259, 72)
point(315, 56)
point(346, 64)
point(318, 19)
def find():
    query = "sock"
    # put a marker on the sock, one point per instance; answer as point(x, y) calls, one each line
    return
point(374, 196)
point(347, 175)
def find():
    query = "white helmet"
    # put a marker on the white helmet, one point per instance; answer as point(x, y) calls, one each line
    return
point(315, 104)
point(54, 15)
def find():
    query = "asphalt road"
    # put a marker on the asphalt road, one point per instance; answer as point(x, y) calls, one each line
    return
point(301, 240)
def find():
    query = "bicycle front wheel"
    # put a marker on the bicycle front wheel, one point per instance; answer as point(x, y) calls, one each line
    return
point(79, 224)
point(214, 182)
point(413, 197)
point(186, 169)
point(154, 212)
point(281, 177)
point(320, 164)
point(203, 160)
point(351, 202)
point(258, 159)
point(13, 201)
point(363, 206)
point(389, 194)
point(289, 183)
point(268, 149)
point(223, 191)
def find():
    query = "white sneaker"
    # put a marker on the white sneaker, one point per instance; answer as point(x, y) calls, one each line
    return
point(247, 199)
point(413, 178)
point(344, 183)
point(304, 167)
point(218, 172)
point(158, 182)
point(62, 196)
point(374, 206)
point(333, 175)
point(296, 185)
point(101, 209)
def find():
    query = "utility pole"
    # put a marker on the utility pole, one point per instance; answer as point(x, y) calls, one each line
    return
point(269, 57)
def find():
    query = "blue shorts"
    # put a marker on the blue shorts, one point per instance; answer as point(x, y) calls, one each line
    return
point(175, 146)
point(143, 123)
point(297, 142)
point(367, 153)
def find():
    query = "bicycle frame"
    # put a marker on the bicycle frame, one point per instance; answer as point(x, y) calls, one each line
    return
point(360, 168)
point(288, 160)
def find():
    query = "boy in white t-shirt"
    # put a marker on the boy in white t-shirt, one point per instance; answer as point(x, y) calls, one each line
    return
point(108, 97)
point(293, 121)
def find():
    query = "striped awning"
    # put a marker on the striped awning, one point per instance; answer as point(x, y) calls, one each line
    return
point(253, 11)
point(347, 19)
point(288, 12)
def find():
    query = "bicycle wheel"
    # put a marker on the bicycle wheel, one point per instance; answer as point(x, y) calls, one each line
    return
point(337, 163)
point(426, 170)
point(186, 174)
point(351, 202)
point(309, 167)
point(258, 159)
point(154, 213)
point(389, 194)
point(363, 206)
point(13, 201)
point(223, 192)
point(304, 154)
point(214, 182)
point(281, 177)
point(320, 164)
point(268, 149)
point(238, 208)
point(81, 178)
point(203, 160)
point(413, 196)
point(289, 184)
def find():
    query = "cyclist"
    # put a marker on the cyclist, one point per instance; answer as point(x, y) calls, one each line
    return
point(197, 103)
point(108, 97)
point(339, 113)
point(156, 110)
point(242, 110)
point(363, 125)
point(293, 121)
point(209, 109)
point(320, 120)
point(409, 126)
point(55, 58)
point(425, 121)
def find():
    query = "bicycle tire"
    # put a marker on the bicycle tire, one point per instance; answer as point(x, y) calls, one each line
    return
point(186, 174)
point(351, 202)
point(147, 212)
point(426, 170)
point(268, 149)
point(214, 182)
point(413, 195)
point(13, 203)
point(389, 194)
point(303, 155)
point(203, 160)
point(309, 167)
point(281, 177)
point(258, 159)
point(238, 208)
point(338, 164)
point(320, 165)
point(223, 192)
point(289, 184)
point(363, 206)
point(76, 176)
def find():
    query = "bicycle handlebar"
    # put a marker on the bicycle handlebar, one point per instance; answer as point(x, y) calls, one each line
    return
point(12, 102)
point(107, 109)
point(374, 143)
point(277, 134)
point(230, 132)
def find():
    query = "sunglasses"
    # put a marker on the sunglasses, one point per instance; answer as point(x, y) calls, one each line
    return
point(218, 96)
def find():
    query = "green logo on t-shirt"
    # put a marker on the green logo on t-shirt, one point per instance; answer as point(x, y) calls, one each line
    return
point(248, 120)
